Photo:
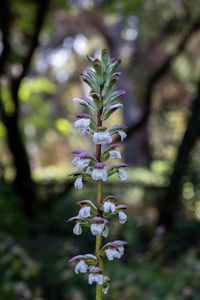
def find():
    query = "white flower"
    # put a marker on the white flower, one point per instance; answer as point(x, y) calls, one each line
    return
point(115, 154)
point(89, 170)
point(122, 174)
point(122, 217)
point(81, 267)
point(75, 161)
point(122, 134)
point(78, 183)
point(101, 137)
point(109, 206)
point(105, 232)
point(98, 278)
point(121, 249)
point(106, 280)
point(99, 173)
point(84, 212)
point(80, 163)
point(105, 289)
point(84, 124)
point(77, 229)
point(112, 253)
point(83, 162)
point(97, 228)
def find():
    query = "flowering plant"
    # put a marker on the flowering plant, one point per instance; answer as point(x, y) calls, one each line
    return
point(100, 79)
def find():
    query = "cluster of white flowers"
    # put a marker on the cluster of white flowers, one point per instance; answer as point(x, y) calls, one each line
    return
point(103, 104)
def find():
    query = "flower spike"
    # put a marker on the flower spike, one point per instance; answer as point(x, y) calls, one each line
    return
point(101, 104)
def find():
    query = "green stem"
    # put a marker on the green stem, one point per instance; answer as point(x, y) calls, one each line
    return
point(99, 201)
point(99, 238)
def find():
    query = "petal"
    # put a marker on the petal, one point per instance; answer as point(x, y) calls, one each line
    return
point(105, 289)
point(115, 154)
point(122, 174)
point(122, 217)
point(122, 134)
point(84, 212)
point(81, 267)
point(77, 229)
point(97, 229)
point(83, 163)
point(78, 183)
point(105, 232)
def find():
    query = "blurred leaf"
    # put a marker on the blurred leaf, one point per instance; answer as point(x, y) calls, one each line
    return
point(63, 126)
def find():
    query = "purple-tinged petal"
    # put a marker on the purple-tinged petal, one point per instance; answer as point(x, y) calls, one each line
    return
point(72, 219)
point(84, 116)
point(84, 154)
point(119, 127)
point(113, 103)
point(121, 242)
point(86, 202)
point(122, 206)
point(88, 70)
point(114, 145)
point(95, 270)
point(76, 173)
point(85, 75)
point(77, 257)
point(111, 244)
point(99, 165)
point(122, 91)
point(113, 75)
point(98, 219)
point(111, 197)
point(78, 151)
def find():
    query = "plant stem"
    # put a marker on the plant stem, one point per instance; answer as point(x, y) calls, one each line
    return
point(99, 238)
point(99, 201)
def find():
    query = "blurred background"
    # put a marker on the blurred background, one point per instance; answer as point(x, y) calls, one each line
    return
point(43, 49)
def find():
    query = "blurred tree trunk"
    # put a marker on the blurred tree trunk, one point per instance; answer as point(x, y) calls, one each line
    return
point(169, 204)
point(23, 183)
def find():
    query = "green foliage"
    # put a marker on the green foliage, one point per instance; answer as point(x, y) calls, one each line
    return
point(63, 126)
point(37, 265)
